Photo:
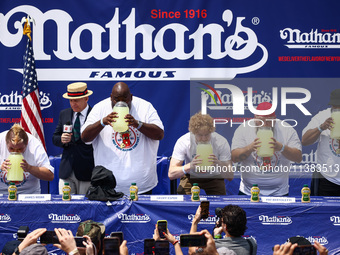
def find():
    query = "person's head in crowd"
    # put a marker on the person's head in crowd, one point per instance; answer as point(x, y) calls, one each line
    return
point(16, 139)
point(94, 230)
point(121, 92)
point(201, 125)
point(234, 220)
point(34, 249)
point(262, 120)
point(78, 94)
point(10, 247)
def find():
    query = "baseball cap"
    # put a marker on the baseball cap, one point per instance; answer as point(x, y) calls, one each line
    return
point(95, 230)
point(265, 106)
point(10, 246)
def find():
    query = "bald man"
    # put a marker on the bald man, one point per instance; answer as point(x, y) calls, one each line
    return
point(130, 155)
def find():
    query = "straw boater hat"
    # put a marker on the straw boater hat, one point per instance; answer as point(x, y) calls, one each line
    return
point(77, 90)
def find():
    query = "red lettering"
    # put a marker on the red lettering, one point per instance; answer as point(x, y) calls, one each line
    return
point(159, 14)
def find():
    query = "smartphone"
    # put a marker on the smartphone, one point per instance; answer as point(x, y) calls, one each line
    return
point(162, 226)
point(79, 241)
point(204, 209)
point(149, 246)
point(162, 247)
point(49, 237)
point(119, 234)
point(196, 240)
point(305, 249)
point(111, 245)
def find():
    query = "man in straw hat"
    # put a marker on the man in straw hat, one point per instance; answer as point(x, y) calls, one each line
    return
point(322, 129)
point(77, 160)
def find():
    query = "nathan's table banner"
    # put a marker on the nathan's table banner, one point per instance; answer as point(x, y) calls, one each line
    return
point(316, 221)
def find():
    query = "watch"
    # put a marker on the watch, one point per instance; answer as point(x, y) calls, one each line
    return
point(16, 251)
point(140, 124)
point(75, 251)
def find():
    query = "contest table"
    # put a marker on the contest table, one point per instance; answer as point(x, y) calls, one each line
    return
point(268, 223)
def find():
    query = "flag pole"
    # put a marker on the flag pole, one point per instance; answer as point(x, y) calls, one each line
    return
point(31, 119)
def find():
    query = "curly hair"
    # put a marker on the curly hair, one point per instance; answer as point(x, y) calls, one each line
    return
point(235, 219)
point(199, 120)
point(16, 135)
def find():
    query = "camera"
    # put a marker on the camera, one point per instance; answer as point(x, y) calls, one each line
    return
point(218, 213)
point(22, 232)
point(189, 240)
point(204, 209)
point(162, 226)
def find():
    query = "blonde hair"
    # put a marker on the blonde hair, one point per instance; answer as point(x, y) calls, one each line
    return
point(16, 135)
point(199, 120)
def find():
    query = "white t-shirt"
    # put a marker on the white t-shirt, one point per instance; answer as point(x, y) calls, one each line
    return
point(275, 181)
point(185, 150)
point(133, 160)
point(326, 150)
point(35, 155)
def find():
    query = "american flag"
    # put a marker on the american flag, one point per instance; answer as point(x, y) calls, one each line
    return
point(30, 110)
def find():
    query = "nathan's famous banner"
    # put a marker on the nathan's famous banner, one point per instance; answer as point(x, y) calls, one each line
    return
point(157, 47)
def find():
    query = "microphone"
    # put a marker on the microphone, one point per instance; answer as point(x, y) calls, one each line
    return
point(67, 127)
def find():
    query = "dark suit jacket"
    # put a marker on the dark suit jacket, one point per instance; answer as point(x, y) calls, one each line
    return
point(77, 156)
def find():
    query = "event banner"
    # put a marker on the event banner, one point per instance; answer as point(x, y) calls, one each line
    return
point(158, 47)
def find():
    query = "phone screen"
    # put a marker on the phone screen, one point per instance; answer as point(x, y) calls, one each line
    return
point(79, 241)
point(49, 237)
point(111, 246)
point(305, 249)
point(161, 247)
point(119, 234)
point(188, 240)
point(204, 209)
point(162, 226)
point(149, 245)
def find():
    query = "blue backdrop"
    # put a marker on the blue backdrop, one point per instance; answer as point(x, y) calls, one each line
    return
point(157, 53)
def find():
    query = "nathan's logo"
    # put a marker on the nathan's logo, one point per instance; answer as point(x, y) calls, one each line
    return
point(13, 101)
point(210, 220)
point(4, 218)
point(134, 218)
point(229, 39)
point(321, 239)
point(275, 220)
point(236, 99)
point(334, 145)
point(335, 220)
point(314, 39)
point(64, 218)
point(126, 141)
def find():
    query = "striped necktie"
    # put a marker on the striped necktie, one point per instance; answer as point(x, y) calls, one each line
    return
point(76, 128)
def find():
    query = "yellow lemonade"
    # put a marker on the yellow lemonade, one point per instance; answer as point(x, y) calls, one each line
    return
point(335, 132)
point(204, 150)
point(265, 134)
point(120, 125)
point(15, 173)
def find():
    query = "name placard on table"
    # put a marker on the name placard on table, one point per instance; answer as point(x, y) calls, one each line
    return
point(278, 200)
point(167, 198)
point(34, 197)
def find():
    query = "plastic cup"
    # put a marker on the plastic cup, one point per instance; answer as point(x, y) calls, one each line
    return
point(15, 173)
